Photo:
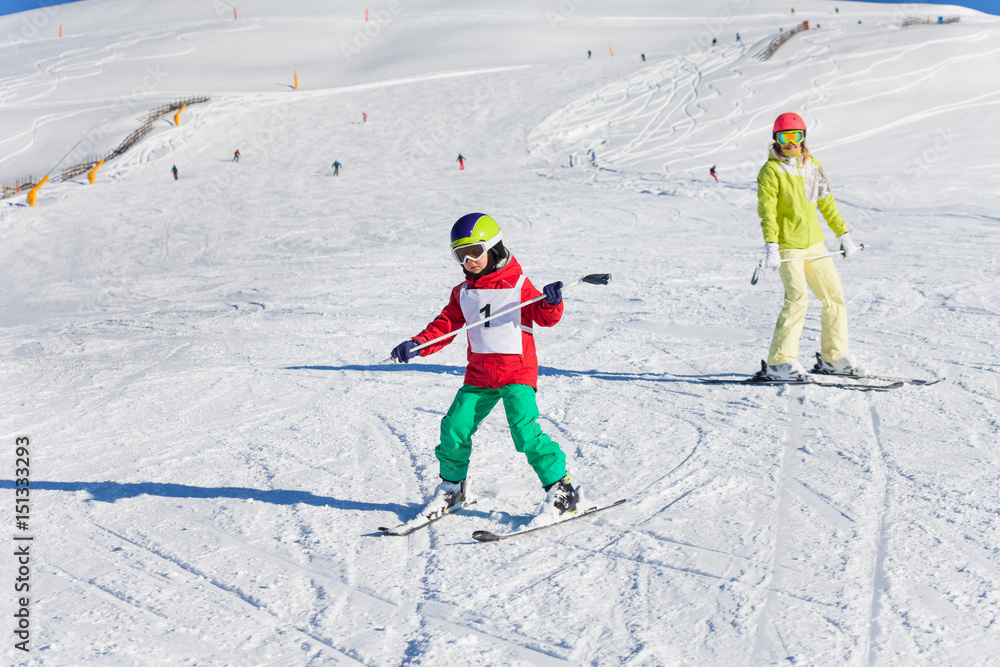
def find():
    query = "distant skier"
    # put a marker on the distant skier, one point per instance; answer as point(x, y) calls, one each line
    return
point(364, 117)
point(461, 161)
point(174, 170)
point(789, 187)
point(236, 155)
point(712, 172)
point(336, 168)
point(643, 57)
point(715, 41)
point(738, 38)
point(502, 365)
point(588, 54)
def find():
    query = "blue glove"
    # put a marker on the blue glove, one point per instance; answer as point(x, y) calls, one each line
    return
point(553, 293)
point(403, 352)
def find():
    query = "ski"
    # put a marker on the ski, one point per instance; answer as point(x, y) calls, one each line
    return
point(760, 378)
point(487, 536)
point(754, 380)
point(871, 376)
point(885, 378)
point(421, 521)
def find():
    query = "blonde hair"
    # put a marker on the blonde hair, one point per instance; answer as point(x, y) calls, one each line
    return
point(778, 150)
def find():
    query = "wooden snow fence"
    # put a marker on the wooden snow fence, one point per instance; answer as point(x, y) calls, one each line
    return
point(14, 188)
point(928, 21)
point(781, 39)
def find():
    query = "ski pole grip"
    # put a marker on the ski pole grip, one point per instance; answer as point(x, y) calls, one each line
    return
point(861, 246)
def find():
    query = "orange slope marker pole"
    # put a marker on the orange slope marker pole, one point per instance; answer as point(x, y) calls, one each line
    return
point(177, 116)
point(33, 194)
point(92, 174)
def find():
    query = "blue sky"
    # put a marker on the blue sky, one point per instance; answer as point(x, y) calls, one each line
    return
point(987, 6)
point(15, 6)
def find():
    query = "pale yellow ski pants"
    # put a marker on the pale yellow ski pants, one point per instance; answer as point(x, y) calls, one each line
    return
point(820, 276)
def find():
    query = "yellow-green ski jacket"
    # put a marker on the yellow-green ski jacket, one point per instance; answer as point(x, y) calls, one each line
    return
point(787, 195)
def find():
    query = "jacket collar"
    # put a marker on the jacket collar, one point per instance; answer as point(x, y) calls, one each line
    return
point(504, 277)
point(791, 160)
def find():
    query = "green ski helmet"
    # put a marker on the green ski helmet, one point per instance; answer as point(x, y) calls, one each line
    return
point(473, 235)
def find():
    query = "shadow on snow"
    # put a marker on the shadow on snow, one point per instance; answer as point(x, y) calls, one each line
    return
point(543, 371)
point(109, 492)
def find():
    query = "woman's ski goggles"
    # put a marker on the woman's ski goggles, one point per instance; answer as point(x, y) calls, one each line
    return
point(474, 251)
point(786, 137)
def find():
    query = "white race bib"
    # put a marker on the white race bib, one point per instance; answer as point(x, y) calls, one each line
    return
point(499, 336)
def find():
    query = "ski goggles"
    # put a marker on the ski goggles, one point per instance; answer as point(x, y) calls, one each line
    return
point(474, 251)
point(786, 137)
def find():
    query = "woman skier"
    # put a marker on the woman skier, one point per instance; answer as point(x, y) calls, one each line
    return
point(790, 185)
point(502, 365)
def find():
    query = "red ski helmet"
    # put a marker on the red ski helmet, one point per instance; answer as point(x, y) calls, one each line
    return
point(788, 121)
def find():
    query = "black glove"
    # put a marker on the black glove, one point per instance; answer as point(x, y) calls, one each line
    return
point(403, 352)
point(553, 293)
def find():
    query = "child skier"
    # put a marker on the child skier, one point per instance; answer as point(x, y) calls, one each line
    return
point(461, 161)
point(502, 364)
point(789, 187)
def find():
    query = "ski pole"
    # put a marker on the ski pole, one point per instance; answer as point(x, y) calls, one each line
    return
point(760, 264)
point(590, 279)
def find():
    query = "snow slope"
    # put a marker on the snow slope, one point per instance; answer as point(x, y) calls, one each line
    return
point(215, 436)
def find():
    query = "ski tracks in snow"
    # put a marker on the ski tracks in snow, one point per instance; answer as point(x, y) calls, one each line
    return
point(821, 564)
point(219, 576)
point(878, 545)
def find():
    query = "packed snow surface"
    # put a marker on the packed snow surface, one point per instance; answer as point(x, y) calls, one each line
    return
point(199, 365)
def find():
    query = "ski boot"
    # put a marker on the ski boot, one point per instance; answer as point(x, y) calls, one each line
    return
point(446, 496)
point(790, 372)
point(847, 365)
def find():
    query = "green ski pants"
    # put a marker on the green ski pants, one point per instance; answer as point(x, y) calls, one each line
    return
point(471, 405)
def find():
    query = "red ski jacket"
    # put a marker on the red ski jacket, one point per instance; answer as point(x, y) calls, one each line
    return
point(492, 370)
